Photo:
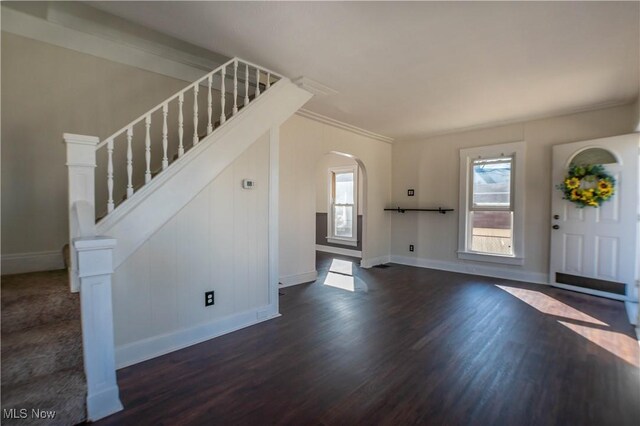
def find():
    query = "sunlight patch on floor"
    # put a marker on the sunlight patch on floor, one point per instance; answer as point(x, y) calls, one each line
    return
point(592, 329)
point(345, 282)
point(341, 276)
point(548, 305)
point(618, 344)
point(341, 267)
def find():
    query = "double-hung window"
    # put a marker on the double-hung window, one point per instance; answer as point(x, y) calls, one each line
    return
point(491, 203)
point(343, 208)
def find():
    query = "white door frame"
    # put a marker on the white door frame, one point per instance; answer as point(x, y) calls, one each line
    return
point(625, 148)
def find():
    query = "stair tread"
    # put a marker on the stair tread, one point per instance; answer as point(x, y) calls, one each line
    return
point(35, 299)
point(55, 331)
point(41, 350)
point(63, 391)
point(34, 283)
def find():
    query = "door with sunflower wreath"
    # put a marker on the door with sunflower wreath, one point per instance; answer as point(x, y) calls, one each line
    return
point(594, 210)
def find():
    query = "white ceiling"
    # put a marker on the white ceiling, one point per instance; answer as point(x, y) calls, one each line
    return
point(407, 70)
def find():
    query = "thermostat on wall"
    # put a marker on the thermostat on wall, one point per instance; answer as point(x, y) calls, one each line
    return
point(248, 183)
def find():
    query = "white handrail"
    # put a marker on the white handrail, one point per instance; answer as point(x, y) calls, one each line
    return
point(181, 92)
point(230, 70)
point(156, 108)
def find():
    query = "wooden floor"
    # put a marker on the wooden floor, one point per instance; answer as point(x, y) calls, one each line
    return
point(409, 346)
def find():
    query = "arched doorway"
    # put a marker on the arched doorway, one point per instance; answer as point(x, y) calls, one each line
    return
point(341, 220)
point(337, 173)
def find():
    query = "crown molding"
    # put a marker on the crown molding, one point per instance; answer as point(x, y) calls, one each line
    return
point(314, 87)
point(522, 120)
point(341, 125)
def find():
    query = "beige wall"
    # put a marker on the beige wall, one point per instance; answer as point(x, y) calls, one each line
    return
point(431, 167)
point(303, 142)
point(46, 91)
point(219, 240)
point(322, 180)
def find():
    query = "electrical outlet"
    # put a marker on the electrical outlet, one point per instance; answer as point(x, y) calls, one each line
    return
point(411, 248)
point(410, 192)
point(208, 298)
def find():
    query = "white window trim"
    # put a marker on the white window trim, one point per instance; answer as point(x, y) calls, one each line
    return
point(353, 241)
point(517, 150)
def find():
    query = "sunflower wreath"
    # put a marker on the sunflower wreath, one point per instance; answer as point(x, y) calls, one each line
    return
point(588, 185)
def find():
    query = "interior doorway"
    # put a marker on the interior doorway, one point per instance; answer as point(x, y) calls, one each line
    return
point(340, 187)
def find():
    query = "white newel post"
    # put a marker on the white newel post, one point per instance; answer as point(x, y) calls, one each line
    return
point(81, 164)
point(95, 266)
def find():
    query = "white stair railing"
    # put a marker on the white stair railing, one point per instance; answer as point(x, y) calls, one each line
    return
point(232, 70)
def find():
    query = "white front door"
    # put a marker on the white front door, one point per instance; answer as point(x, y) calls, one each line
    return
point(593, 249)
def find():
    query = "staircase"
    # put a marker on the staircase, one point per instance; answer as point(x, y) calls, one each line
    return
point(139, 178)
point(42, 364)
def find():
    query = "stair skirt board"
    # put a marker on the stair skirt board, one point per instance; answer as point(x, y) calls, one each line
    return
point(152, 347)
point(185, 178)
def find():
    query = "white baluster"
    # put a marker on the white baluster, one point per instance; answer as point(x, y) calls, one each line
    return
point(180, 125)
point(196, 87)
point(165, 136)
point(235, 87)
point(268, 80)
point(223, 117)
point(110, 205)
point(147, 149)
point(129, 162)
point(209, 107)
point(257, 82)
point(246, 86)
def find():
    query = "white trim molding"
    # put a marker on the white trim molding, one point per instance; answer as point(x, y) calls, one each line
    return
point(342, 125)
point(338, 250)
point(314, 87)
point(370, 263)
point(152, 347)
point(475, 269)
point(306, 277)
point(20, 263)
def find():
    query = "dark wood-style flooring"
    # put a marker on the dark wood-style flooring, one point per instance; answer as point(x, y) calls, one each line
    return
point(409, 346)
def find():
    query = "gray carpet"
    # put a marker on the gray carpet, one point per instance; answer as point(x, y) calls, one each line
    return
point(42, 367)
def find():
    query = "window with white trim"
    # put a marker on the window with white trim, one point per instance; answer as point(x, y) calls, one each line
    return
point(491, 203)
point(343, 205)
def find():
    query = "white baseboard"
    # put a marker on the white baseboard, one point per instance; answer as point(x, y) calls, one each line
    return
point(475, 269)
point(369, 263)
point(32, 262)
point(306, 277)
point(133, 353)
point(338, 250)
point(632, 312)
point(103, 404)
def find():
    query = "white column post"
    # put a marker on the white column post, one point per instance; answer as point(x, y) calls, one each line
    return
point(81, 164)
point(95, 266)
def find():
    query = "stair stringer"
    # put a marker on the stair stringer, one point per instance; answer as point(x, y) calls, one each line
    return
point(139, 217)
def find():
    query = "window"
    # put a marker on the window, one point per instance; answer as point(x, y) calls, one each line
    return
point(491, 201)
point(343, 184)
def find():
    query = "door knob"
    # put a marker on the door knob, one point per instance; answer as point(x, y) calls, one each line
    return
point(556, 216)
point(556, 227)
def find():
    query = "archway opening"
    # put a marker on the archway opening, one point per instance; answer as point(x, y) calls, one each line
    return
point(341, 217)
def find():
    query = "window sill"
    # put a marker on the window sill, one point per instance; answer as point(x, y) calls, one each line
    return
point(341, 241)
point(493, 258)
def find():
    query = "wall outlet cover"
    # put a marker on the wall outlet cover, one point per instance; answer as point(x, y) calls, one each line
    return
point(410, 192)
point(209, 298)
